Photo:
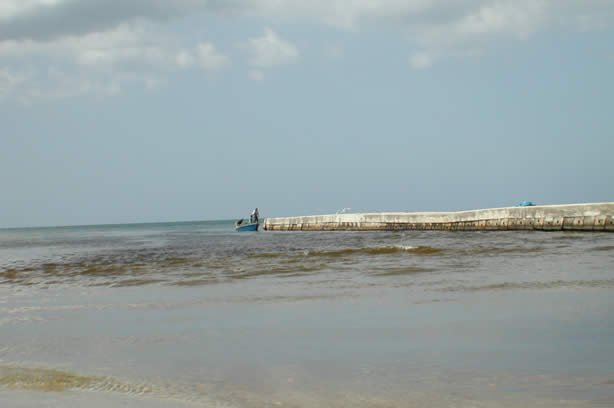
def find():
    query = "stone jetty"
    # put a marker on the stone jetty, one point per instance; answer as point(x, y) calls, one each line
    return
point(572, 217)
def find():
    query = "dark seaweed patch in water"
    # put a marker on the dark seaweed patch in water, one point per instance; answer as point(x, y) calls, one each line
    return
point(10, 273)
point(424, 250)
point(135, 282)
point(196, 282)
point(408, 270)
point(493, 251)
point(382, 250)
point(174, 262)
point(123, 268)
point(283, 299)
point(603, 248)
point(265, 255)
point(279, 271)
point(558, 284)
point(568, 235)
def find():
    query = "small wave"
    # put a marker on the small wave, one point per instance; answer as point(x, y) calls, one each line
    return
point(409, 270)
point(100, 272)
point(196, 282)
point(135, 282)
point(265, 255)
point(19, 319)
point(381, 250)
point(493, 251)
point(568, 235)
point(603, 248)
point(540, 285)
point(281, 271)
point(285, 298)
point(424, 250)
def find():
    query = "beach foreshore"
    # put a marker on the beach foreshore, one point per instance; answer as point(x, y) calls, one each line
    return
point(573, 217)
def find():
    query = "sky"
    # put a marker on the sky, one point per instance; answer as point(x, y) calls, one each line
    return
point(122, 111)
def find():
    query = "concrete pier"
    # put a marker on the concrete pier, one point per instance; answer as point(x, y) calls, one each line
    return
point(572, 217)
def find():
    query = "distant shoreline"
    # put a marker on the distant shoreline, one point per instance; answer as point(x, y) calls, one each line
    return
point(116, 225)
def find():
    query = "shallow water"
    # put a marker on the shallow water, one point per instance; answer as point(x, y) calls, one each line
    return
point(197, 314)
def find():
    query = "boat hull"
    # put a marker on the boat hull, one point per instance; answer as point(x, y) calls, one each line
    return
point(247, 227)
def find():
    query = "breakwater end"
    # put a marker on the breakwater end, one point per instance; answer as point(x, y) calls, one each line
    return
point(573, 217)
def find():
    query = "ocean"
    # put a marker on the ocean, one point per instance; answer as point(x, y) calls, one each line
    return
point(196, 314)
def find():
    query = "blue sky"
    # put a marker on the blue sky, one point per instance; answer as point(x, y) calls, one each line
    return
point(136, 111)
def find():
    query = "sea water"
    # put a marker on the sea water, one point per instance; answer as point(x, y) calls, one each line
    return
point(196, 314)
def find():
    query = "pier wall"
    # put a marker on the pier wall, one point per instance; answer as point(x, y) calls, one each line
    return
point(573, 217)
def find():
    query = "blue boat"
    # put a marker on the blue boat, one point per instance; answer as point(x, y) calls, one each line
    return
point(241, 227)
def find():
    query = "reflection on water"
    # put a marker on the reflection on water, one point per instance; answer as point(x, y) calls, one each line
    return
point(198, 314)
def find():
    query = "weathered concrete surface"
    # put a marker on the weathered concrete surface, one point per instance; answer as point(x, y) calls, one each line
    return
point(576, 217)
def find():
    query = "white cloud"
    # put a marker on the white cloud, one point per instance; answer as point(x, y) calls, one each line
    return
point(255, 75)
point(29, 86)
point(208, 57)
point(9, 81)
point(465, 33)
point(520, 17)
point(333, 51)
point(13, 8)
point(52, 18)
point(204, 56)
point(133, 52)
point(441, 28)
point(129, 44)
point(270, 50)
point(68, 85)
point(119, 41)
point(341, 13)
point(421, 60)
point(184, 59)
